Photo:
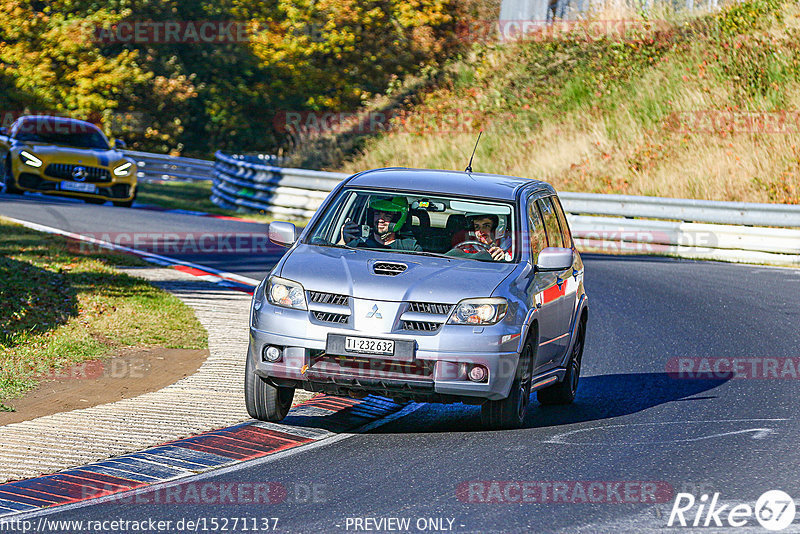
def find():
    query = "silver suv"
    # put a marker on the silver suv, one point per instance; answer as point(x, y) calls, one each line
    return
point(423, 285)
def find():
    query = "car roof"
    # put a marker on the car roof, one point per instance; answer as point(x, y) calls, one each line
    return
point(494, 186)
point(54, 119)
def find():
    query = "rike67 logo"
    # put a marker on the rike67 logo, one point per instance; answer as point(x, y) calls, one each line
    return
point(774, 510)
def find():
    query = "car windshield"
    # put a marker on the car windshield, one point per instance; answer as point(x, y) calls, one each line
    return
point(62, 132)
point(411, 223)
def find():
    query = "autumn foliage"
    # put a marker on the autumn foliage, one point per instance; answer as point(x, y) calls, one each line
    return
point(196, 97)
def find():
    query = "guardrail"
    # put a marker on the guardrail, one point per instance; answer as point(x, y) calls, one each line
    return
point(152, 167)
point(730, 231)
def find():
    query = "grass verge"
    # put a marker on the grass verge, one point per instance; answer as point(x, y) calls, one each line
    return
point(62, 305)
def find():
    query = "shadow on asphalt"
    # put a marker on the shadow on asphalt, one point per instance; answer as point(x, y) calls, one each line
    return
point(599, 397)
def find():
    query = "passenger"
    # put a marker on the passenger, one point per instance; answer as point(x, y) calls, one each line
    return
point(389, 216)
point(485, 229)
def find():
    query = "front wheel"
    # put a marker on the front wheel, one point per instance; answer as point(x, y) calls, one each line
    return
point(511, 411)
point(264, 401)
point(8, 180)
point(564, 392)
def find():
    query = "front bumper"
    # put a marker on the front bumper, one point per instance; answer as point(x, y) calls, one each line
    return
point(116, 189)
point(438, 372)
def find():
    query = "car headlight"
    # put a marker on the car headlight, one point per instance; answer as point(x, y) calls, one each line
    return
point(29, 159)
point(479, 312)
point(282, 292)
point(124, 169)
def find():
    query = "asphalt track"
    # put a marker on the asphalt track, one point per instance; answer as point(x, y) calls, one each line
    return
point(632, 421)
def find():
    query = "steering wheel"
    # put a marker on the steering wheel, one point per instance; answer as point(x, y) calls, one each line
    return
point(472, 242)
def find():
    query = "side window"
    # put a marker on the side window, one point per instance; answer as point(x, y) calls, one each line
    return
point(566, 237)
point(550, 223)
point(536, 229)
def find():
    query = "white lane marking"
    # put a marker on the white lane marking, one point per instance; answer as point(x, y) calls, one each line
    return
point(154, 258)
point(213, 472)
point(759, 433)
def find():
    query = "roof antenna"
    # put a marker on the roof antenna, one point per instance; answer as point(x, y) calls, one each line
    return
point(469, 166)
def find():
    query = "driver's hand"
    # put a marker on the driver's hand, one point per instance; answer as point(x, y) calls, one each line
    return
point(350, 231)
point(497, 253)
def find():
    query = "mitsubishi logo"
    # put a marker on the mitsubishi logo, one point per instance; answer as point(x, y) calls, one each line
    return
point(79, 174)
point(374, 313)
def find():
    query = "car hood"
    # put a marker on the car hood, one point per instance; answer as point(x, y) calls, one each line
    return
point(93, 157)
point(426, 279)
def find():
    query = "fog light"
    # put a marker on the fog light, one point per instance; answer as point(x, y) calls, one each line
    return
point(478, 373)
point(272, 354)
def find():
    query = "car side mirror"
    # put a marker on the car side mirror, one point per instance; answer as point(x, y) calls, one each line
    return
point(282, 233)
point(554, 259)
point(119, 143)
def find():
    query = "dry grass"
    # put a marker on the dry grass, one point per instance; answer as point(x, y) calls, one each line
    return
point(632, 131)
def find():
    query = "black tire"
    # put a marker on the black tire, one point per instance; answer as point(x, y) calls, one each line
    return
point(264, 401)
point(564, 392)
point(8, 180)
point(511, 411)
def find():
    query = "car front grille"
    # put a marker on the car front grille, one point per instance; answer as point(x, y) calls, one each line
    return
point(64, 172)
point(425, 316)
point(326, 317)
point(328, 298)
point(430, 307)
point(371, 368)
point(421, 326)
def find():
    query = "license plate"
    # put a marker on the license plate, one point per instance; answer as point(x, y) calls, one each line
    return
point(79, 187)
point(368, 346)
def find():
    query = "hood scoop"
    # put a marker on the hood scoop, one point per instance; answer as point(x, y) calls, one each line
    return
point(388, 268)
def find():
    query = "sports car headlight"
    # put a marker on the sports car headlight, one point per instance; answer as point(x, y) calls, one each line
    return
point(29, 159)
point(286, 293)
point(124, 169)
point(479, 312)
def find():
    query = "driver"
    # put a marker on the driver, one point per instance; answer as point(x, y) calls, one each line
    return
point(388, 218)
point(485, 229)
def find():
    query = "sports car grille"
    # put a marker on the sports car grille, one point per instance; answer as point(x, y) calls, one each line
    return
point(326, 317)
point(64, 171)
point(328, 298)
